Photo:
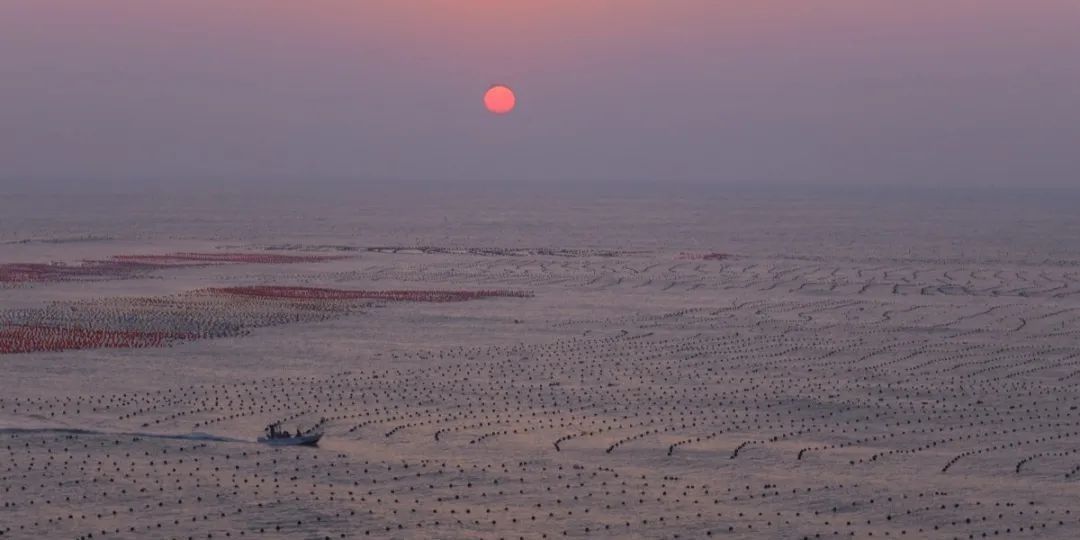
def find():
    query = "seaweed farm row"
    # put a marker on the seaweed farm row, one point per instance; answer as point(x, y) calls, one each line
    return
point(132, 266)
point(801, 419)
point(139, 322)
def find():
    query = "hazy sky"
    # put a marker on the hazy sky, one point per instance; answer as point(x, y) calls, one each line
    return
point(839, 91)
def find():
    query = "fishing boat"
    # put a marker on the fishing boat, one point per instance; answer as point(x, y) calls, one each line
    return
point(307, 439)
point(275, 437)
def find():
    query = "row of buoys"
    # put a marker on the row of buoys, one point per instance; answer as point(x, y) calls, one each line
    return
point(33, 338)
point(187, 258)
point(204, 314)
point(583, 395)
point(707, 394)
point(312, 293)
point(693, 273)
point(480, 499)
point(503, 252)
point(131, 266)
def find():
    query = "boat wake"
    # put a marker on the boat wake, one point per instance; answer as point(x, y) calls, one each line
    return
point(135, 434)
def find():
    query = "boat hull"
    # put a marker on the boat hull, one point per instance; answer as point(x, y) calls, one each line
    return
point(303, 440)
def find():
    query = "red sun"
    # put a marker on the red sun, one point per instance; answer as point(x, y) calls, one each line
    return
point(500, 99)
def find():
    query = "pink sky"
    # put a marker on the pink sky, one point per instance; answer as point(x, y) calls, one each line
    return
point(846, 91)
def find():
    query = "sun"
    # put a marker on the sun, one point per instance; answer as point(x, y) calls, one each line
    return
point(500, 99)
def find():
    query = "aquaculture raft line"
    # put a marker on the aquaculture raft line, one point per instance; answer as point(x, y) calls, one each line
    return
point(160, 321)
point(310, 293)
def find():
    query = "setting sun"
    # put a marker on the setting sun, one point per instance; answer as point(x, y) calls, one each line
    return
point(500, 99)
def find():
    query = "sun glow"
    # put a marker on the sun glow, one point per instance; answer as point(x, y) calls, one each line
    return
point(500, 99)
